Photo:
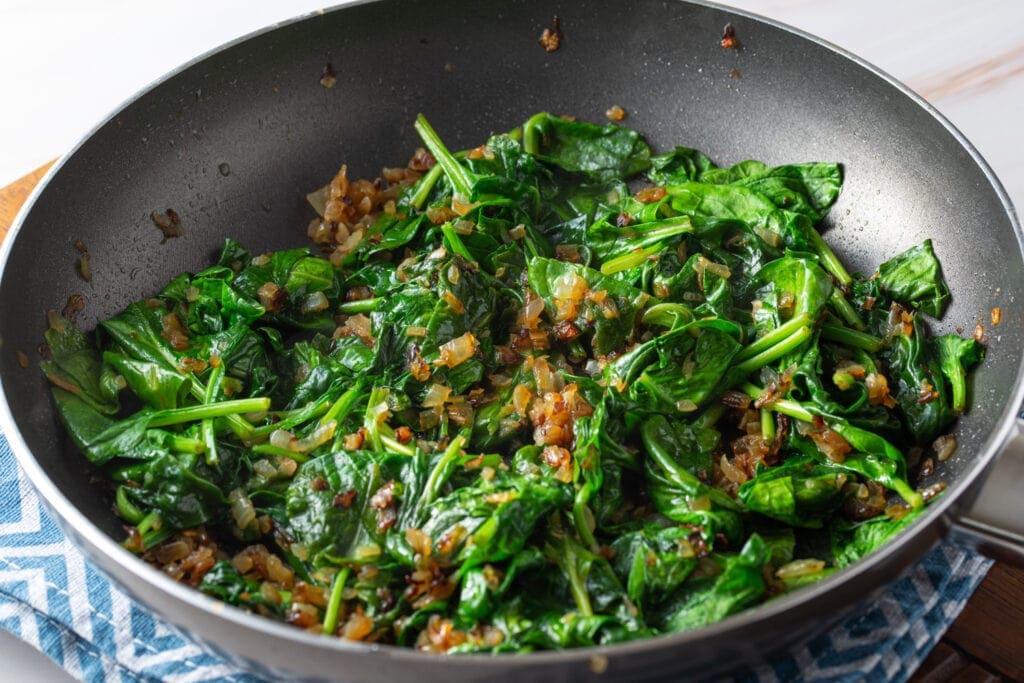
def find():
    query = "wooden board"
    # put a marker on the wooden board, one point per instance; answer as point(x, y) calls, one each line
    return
point(986, 642)
point(15, 194)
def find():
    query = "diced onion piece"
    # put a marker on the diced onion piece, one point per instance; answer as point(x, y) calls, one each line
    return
point(416, 331)
point(270, 593)
point(650, 194)
point(241, 508)
point(418, 541)
point(773, 239)
point(796, 568)
point(172, 551)
point(436, 396)
point(463, 227)
point(317, 437)
point(439, 214)
point(264, 468)
point(700, 503)
point(568, 252)
point(521, 397)
point(357, 627)
point(282, 438)
point(546, 379)
point(731, 472)
point(461, 413)
point(318, 199)
point(569, 286)
point(461, 207)
point(499, 380)
point(457, 351)
point(685, 548)
point(271, 297)
point(315, 302)
point(703, 264)
point(532, 310)
point(878, 390)
point(278, 572)
point(359, 324)
point(453, 302)
point(944, 447)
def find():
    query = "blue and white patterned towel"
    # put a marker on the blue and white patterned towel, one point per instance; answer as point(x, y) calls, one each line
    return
point(51, 597)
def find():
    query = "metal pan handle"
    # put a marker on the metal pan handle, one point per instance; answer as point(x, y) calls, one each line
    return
point(993, 523)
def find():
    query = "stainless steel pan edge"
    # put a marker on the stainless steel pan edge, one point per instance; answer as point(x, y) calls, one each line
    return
point(746, 635)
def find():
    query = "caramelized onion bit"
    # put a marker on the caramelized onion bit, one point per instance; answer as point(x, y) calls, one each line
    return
point(944, 447)
point(457, 351)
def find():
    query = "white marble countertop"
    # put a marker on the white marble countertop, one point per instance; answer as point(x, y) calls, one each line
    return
point(66, 64)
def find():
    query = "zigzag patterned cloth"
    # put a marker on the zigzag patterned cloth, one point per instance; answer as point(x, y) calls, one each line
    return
point(52, 598)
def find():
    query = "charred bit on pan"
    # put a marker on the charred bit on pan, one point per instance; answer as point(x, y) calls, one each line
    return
point(735, 73)
point(74, 306)
point(729, 41)
point(551, 39)
point(615, 113)
point(169, 223)
point(328, 78)
point(83, 261)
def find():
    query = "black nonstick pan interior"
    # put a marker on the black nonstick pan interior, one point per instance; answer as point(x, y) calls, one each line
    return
point(235, 140)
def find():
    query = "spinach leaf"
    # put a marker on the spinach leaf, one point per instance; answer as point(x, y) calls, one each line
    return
point(678, 166)
point(799, 492)
point(653, 562)
point(956, 356)
point(799, 282)
point(680, 381)
point(576, 146)
point(379, 488)
point(808, 189)
point(490, 522)
point(707, 600)
point(224, 582)
point(153, 383)
point(921, 390)
point(852, 543)
point(609, 320)
point(173, 485)
point(75, 366)
point(915, 277)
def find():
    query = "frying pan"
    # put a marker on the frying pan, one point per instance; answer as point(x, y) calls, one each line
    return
point(234, 140)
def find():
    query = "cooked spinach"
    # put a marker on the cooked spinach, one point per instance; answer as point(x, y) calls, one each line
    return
point(552, 391)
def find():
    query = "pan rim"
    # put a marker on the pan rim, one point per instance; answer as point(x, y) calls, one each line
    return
point(104, 547)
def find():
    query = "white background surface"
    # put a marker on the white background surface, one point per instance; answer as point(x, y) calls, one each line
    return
point(65, 64)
